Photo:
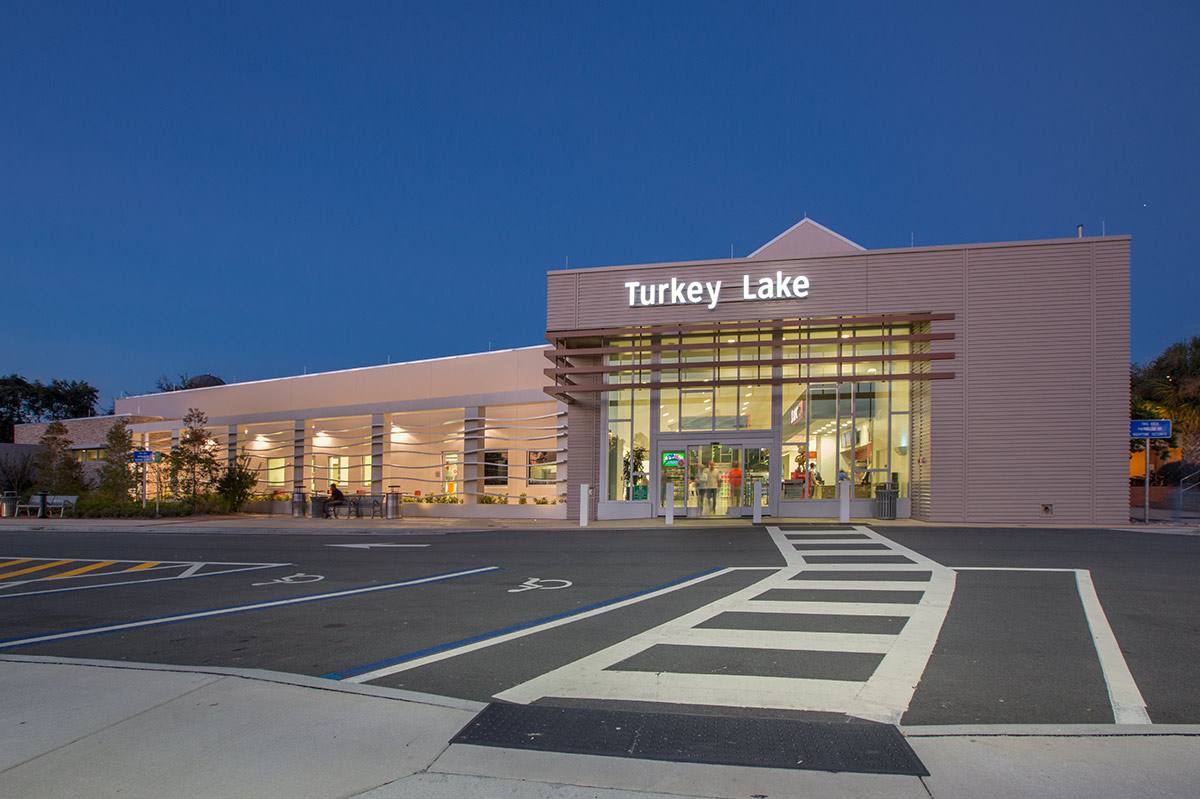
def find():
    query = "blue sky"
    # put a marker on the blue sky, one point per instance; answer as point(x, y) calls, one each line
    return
point(257, 189)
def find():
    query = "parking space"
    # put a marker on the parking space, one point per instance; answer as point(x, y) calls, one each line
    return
point(832, 623)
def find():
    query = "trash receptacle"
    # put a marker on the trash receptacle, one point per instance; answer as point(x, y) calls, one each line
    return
point(392, 506)
point(885, 501)
point(8, 508)
point(316, 507)
point(298, 503)
point(42, 505)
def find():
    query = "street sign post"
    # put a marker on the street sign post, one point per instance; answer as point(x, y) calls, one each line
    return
point(1148, 429)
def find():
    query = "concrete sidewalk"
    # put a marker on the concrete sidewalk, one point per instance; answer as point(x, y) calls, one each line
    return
point(250, 524)
point(77, 728)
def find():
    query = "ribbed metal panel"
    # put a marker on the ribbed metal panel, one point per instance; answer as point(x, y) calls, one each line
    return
point(1111, 369)
point(561, 311)
point(1036, 415)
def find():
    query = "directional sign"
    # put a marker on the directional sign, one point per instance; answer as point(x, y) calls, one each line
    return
point(1150, 428)
point(142, 456)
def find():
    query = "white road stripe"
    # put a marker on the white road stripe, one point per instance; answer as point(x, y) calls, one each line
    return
point(833, 608)
point(462, 650)
point(1127, 703)
point(788, 693)
point(783, 639)
point(915, 586)
point(203, 614)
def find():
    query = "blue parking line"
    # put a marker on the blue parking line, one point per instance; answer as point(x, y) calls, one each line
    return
point(341, 675)
point(86, 632)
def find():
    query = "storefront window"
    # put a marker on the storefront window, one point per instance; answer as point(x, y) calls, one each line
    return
point(542, 469)
point(495, 468)
point(276, 471)
point(627, 470)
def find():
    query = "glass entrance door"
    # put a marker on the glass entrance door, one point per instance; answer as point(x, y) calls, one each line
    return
point(714, 480)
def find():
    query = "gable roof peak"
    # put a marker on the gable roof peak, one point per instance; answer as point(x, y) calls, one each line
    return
point(803, 239)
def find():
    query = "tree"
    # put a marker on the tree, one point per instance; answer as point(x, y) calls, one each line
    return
point(18, 472)
point(67, 399)
point(18, 404)
point(117, 480)
point(191, 464)
point(185, 382)
point(1169, 388)
point(22, 401)
point(236, 483)
point(58, 470)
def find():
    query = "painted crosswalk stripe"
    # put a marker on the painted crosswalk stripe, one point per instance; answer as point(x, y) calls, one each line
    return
point(43, 576)
point(100, 564)
point(36, 568)
point(881, 693)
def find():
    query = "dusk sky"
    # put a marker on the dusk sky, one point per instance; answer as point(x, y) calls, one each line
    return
point(258, 189)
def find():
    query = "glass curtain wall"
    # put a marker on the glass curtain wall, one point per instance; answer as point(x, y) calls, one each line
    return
point(860, 429)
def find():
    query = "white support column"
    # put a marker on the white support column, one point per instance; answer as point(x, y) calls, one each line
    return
point(473, 442)
point(379, 433)
point(583, 504)
point(300, 435)
point(231, 443)
point(758, 493)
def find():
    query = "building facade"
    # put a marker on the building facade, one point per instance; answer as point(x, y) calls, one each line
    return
point(983, 382)
point(987, 382)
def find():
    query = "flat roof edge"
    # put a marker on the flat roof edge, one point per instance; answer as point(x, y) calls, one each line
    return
point(862, 254)
point(332, 372)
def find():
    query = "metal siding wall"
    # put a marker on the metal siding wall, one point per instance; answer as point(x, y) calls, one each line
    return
point(935, 281)
point(584, 446)
point(560, 300)
point(1110, 360)
point(837, 286)
point(1030, 410)
point(1036, 412)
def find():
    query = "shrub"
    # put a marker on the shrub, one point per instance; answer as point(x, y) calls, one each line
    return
point(236, 483)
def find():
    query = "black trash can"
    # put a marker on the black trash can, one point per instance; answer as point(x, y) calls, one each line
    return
point(316, 506)
point(9, 507)
point(42, 506)
point(885, 501)
point(298, 503)
point(392, 506)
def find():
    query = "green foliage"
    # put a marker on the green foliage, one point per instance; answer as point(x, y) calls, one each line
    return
point(98, 506)
point(58, 471)
point(236, 484)
point(22, 401)
point(191, 464)
point(1169, 388)
point(117, 478)
point(185, 382)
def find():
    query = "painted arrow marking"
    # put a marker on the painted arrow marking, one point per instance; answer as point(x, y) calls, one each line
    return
point(373, 546)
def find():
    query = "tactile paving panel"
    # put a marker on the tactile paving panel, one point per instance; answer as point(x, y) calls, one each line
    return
point(678, 738)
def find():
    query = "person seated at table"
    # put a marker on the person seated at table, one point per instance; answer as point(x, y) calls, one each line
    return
point(336, 500)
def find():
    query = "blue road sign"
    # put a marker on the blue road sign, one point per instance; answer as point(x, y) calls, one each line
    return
point(1150, 428)
point(147, 456)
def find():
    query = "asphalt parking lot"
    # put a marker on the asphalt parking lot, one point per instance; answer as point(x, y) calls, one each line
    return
point(723, 620)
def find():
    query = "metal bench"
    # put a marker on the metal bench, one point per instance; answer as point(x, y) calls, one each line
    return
point(59, 502)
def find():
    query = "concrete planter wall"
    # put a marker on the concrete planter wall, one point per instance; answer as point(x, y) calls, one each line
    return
point(437, 510)
point(268, 506)
point(419, 510)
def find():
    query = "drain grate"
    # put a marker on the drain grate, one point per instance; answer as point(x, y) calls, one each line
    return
point(678, 738)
